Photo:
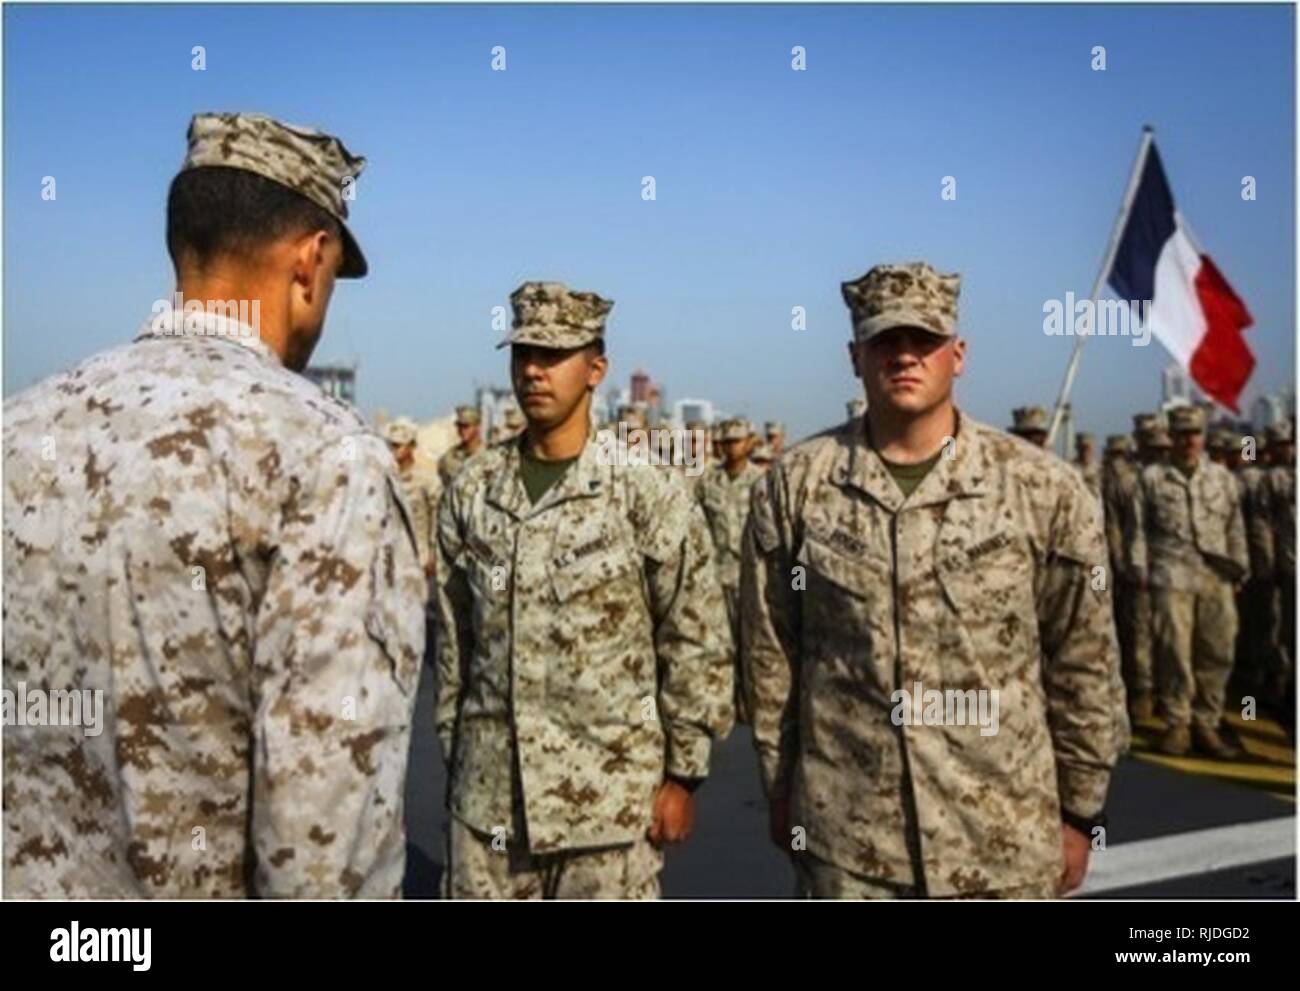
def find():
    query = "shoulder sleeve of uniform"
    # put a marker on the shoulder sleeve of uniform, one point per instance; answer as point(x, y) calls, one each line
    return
point(340, 636)
point(1077, 529)
point(762, 511)
point(661, 513)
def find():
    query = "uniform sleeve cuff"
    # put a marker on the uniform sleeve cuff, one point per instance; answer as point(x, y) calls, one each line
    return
point(1082, 790)
point(688, 756)
point(690, 784)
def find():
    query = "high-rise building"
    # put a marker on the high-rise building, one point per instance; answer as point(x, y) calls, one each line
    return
point(1270, 409)
point(1176, 387)
point(641, 386)
point(687, 410)
point(339, 381)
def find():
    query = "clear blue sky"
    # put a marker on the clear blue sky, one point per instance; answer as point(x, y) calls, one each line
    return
point(773, 185)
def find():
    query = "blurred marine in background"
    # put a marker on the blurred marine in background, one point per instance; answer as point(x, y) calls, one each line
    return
point(1194, 542)
point(421, 489)
point(723, 494)
point(469, 430)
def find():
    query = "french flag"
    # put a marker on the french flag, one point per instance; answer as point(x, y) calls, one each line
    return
point(1194, 312)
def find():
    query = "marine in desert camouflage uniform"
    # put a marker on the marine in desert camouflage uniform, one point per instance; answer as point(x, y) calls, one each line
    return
point(1086, 464)
point(470, 433)
point(1218, 447)
point(1030, 423)
point(1280, 687)
point(1257, 602)
point(694, 461)
point(1194, 541)
point(583, 665)
point(420, 488)
point(774, 430)
point(511, 425)
point(196, 531)
point(723, 494)
point(1120, 512)
point(1133, 610)
point(941, 553)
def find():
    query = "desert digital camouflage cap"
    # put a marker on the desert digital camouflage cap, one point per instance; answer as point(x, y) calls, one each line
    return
point(311, 163)
point(466, 416)
point(734, 429)
point(1156, 437)
point(550, 315)
point(1280, 433)
point(1119, 444)
point(774, 427)
point(400, 431)
point(1186, 420)
point(762, 453)
point(1029, 419)
point(911, 294)
point(1083, 440)
point(1219, 439)
point(1144, 421)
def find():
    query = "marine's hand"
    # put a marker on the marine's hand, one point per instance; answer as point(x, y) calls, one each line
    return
point(1076, 847)
point(674, 814)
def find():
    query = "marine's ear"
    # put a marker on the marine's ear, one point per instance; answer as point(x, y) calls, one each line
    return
point(597, 368)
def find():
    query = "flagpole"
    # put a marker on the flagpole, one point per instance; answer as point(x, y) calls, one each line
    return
point(1126, 206)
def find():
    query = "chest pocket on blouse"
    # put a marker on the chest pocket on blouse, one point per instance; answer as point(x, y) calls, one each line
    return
point(1216, 504)
point(715, 512)
point(599, 655)
point(1171, 509)
point(990, 585)
point(847, 611)
point(487, 569)
point(600, 562)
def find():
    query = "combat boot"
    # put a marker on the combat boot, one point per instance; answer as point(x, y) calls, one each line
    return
point(1176, 742)
point(1211, 742)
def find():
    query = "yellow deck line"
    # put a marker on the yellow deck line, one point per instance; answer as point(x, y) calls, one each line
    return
point(1273, 766)
point(1235, 771)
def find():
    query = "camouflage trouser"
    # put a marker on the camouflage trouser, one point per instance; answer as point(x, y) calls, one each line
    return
point(475, 869)
point(1257, 638)
point(816, 878)
point(1193, 634)
point(731, 595)
point(1133, 627)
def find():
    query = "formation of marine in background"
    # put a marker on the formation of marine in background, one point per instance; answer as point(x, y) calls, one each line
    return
point(1202, 599)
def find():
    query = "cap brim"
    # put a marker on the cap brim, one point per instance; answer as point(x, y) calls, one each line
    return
point(354, 264)
point(898, 319)
point(542, 342)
